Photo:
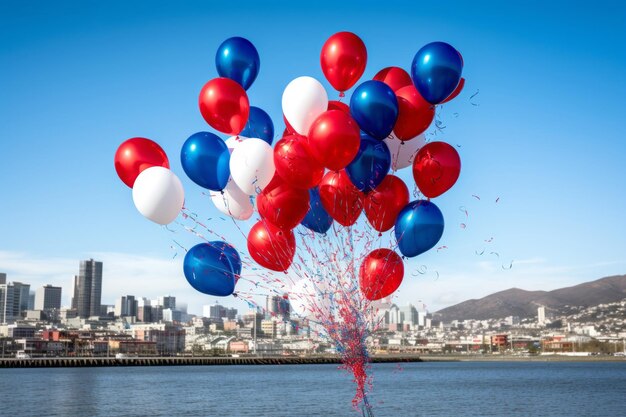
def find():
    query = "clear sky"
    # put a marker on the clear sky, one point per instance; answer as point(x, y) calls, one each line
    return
point(546, 138)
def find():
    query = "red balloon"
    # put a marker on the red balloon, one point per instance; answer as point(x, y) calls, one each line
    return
point(341, 199)
point(436, 168)
point(295, 164)
point(343, 60)
point(380, 274)
point(394, 77)
point(334, 139)
point(282, 205)
point(338, 105)
point(288, 129)
point(135, 155)
point(456, 91)
point(224, 105)
point(271, 247)
point(383, 204)
point(414, 113)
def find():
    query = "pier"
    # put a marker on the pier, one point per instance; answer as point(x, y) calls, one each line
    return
point(186, 361)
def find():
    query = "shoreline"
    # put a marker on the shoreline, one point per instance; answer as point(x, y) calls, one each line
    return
point(282, 360)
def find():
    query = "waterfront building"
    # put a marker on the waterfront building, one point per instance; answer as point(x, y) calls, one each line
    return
point(169, 339)
point(500, 341)
point(238, 346)
point(88, 289)
point(48, 297)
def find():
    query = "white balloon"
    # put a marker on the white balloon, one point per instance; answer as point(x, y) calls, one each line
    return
point(233, 141)
point(302, 297)
point(403, 154)
point(252, 165)
point(307, 298)
point(158, 194)
point(234, 202)
point(303, 100)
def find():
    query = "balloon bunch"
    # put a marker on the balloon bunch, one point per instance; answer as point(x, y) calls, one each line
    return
point(143, 166)
point(332, 162)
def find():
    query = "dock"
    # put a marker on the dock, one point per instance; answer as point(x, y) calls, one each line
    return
point(187, 361)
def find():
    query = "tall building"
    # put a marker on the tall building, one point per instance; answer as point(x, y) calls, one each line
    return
point(408, 315)
point(21, 303)
point(217, 311)
point(48, 297)
point(13, 301)
point(541, 315)
point(88, 289)
point(7, 295)
point(31, 300)
point(126, 306)
point(166, 302)
point(278, 306)
point(3, 278)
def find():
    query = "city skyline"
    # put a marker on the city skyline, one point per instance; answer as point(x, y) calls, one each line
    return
point(533, 134)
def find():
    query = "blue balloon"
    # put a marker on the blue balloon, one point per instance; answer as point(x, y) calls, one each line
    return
point(436, 71)
point(259, 126)
point(419, 227)
point(209, 270)
point(371, 164)
point(316, 219)
point(238, 59)
point(231, 253)
point(374, 106)
point(205, 159)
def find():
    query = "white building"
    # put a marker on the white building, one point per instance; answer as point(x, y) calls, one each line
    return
point(541, 315)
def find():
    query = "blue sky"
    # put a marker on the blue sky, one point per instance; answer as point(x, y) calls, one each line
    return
point(547, 137)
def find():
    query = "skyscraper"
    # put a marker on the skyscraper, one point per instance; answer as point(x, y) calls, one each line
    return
point(278, 306)
point(13, 301)
point(3, 278)
point(126, 306)
point(6, 303)
point(167, 301)
point(48, 297)
point(88, 289)
point(217, 311)
point(21, 299)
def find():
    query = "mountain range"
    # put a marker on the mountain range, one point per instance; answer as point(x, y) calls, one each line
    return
point(522, 303)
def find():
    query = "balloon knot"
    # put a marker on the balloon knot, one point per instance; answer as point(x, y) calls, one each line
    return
point(222, 192)
point(379, 234)
point(342, 94)
point(402, 143)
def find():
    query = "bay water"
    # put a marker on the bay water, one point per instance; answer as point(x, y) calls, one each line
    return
point(408, 389)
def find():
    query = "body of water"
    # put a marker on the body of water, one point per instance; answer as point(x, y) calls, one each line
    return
point(414, 389)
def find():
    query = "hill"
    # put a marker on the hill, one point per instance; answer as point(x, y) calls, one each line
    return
point(522, 303)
